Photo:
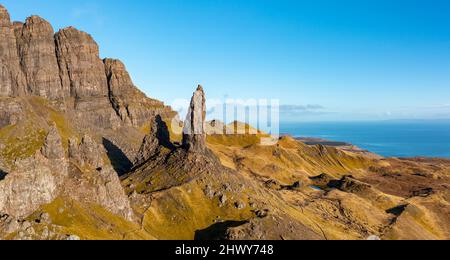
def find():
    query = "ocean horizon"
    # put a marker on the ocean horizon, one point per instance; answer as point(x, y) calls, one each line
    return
point(402, 138)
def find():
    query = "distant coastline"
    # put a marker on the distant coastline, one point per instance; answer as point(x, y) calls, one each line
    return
point(403, 138)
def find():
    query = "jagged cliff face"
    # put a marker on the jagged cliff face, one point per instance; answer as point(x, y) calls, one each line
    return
point(82, 70)
point(12, 79)
point(66, 67)
point(37, 52)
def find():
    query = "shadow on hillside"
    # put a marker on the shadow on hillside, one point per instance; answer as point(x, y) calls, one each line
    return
point(2, 175)
point(119, 160)
point(217, 231)
point(397, 211)
point(163, 133)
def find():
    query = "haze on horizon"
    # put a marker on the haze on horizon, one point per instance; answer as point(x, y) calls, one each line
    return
point(324, 60)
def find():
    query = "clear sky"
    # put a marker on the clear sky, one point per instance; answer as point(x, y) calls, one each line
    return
point(324, 60)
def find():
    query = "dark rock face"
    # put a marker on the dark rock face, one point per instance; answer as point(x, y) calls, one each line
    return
point(120, 84)
point(37, 52)
point(158, 137)
point(12, 79)
point(130, 104)
point(81, 67)
point(194, 132)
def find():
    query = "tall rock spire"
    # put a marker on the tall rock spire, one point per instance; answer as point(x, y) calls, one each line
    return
point(194, 132)
point(12, 79)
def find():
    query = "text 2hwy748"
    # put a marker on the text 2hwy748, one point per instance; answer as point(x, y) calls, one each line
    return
point(204, 251)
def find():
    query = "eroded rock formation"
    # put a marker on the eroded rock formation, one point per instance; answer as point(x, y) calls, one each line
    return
point(66, 67)
point(103, 187)
point(37, 52)
point(194, 132)
point(86, 153)
point(81, 67)
point(53, 148)
point(132, 106)
point(36, 180)
point(12, 79)
point(153, 142)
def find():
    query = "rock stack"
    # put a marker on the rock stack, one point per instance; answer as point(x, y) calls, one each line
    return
point(194, 132)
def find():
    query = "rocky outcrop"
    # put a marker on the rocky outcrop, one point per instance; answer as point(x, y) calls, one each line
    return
point(36, 180)
point(119, 84)
point(37, 52)
point(53, 148)
point(132, 106)
point(104, 187)
point(351, 185)
point(27, 188)
point(81, 67)
point(111, 195)
point(194, 132)
point(153, 142)
point(12, 80)
point(11, 112)
point(87, 153)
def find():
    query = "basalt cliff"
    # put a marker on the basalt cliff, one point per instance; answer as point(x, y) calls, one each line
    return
point(85, 155)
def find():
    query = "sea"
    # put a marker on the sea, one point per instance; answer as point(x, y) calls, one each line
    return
point(403, 138)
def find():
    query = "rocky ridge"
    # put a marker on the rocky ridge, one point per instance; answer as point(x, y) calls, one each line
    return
point(66, 67)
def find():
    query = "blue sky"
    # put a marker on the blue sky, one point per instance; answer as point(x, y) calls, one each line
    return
point(324, 60)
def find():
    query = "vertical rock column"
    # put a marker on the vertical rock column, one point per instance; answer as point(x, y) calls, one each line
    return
point(12, 79)
point(194, 132)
